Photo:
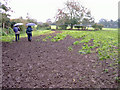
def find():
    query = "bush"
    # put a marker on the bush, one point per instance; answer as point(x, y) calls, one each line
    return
point(63, 26)
point(97, 26)
point(82, 27)
point(47, 28)
point(10, 30)
point(22, 28)
point(78, 27)
point(3, 32)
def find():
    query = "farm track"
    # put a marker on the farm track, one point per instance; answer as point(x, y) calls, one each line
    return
point(49, 64)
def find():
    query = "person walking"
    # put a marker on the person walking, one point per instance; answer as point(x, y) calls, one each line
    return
point(29, 33)
point(16, 29)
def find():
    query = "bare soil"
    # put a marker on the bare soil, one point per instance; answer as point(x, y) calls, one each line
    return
point(40, 64)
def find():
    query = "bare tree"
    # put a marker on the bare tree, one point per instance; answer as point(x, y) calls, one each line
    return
point(73, 13)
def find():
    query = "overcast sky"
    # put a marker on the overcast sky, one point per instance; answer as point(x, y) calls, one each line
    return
point(45, 9)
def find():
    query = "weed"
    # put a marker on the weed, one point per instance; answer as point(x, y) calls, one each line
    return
point(70, 48)
point(44, 40)
point(117, 79)
point(76, 43)
point(106, 70)
point(82, 52)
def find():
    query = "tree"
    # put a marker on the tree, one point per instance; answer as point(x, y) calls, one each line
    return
point(73, 13)
point(104, 22)
point(30, 20)
point(5, 17)
point(61, 18)
point(109, 24)
point(49, 21)
point(97, 26)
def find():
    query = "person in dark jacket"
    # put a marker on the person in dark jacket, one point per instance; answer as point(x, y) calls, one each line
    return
point(16, 29)
point(29, 33)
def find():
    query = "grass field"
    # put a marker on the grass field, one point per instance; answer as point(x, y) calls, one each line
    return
point(54, 27)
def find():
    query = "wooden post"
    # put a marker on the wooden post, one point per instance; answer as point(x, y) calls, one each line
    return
point(3, 26)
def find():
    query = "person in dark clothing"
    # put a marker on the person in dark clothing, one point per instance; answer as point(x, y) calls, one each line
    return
point(16, 29)
point(29, 33)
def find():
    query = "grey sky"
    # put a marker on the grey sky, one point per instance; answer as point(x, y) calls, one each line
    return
point(45, 9)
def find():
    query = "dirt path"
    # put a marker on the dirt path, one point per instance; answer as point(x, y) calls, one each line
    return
point(49, 64)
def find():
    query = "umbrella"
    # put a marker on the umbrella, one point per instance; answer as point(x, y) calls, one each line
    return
point(18, 24)
point(30, 24)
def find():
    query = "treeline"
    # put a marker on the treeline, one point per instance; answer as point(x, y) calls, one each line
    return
point(109, 23)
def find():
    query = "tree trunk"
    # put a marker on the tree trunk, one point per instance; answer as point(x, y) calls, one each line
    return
point(57, 27)
point(71, 26)
point(3, 26)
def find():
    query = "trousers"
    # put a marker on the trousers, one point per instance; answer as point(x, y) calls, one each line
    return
point(29, 36)
point(17, 37)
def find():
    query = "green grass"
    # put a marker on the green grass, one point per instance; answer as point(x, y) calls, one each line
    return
point(110, 29)
point(43, 32)
point(70, 48)
point(76, 43)
point(54, 27)
point(10, 38)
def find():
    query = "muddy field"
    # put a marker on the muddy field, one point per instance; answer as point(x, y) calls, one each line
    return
point(40, 64)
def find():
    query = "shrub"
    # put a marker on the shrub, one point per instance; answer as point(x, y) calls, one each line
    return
point(76, 42)
point(4, 33)
point(97, 26)
point(78, 27)
point(10, 31)
point(70, 48)
point(64, 26)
